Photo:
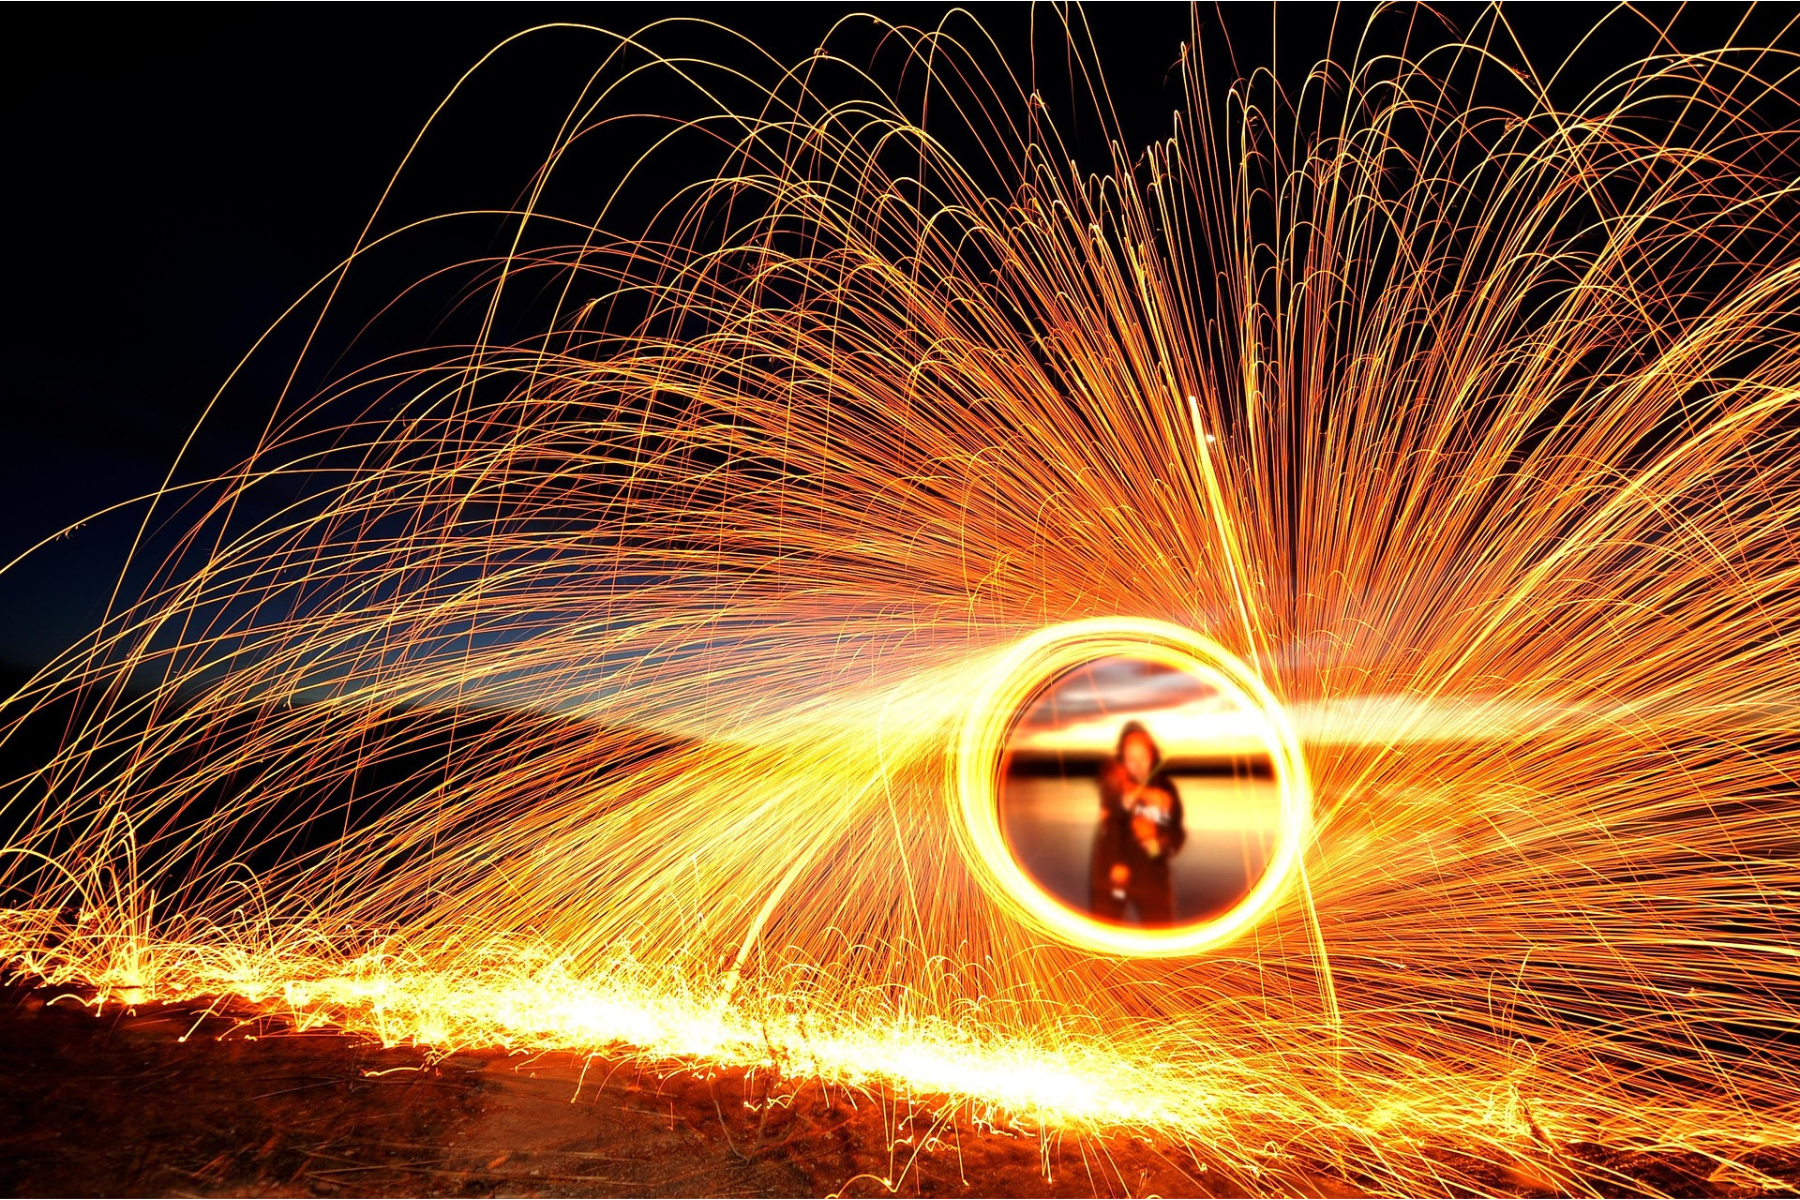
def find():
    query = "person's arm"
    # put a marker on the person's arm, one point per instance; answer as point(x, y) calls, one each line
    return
point(1175, 833)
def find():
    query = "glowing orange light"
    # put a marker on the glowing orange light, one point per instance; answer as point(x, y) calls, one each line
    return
point(1021, 675)
point(642, 684)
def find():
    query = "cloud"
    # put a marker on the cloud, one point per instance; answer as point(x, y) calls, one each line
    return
point(1113, 688)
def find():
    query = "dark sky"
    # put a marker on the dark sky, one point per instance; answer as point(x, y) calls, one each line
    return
point(179, 174)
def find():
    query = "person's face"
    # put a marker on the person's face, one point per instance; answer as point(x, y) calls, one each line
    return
point(1137, 758)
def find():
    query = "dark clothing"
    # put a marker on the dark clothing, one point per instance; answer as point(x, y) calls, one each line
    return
point(1149, 888)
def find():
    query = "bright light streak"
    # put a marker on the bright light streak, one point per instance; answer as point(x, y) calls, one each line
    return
point(632, 685)
point(987, 728)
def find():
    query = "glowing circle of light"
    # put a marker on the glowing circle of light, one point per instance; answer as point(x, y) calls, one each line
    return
point(1021, 674)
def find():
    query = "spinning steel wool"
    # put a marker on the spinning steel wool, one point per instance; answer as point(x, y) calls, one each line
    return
point(636, 685)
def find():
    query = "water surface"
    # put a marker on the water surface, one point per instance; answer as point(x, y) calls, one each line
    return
point(1050, 824)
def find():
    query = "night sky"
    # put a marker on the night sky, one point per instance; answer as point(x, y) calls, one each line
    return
point(179, 175)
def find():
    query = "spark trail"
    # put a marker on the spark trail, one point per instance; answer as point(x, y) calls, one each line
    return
point(600, 687)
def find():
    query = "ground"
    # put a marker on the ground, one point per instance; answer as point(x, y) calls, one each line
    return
point(166, 1100)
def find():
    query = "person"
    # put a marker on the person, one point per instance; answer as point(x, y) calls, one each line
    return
point(1141, 829)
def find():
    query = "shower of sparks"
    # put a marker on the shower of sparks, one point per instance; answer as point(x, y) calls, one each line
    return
point(676, 609)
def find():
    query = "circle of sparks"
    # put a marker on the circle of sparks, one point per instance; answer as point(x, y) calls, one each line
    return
point(1021, 675)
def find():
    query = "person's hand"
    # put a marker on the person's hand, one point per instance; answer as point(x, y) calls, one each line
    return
point(1147, 834)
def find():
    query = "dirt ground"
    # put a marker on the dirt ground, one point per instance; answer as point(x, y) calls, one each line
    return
point(164, 1100)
